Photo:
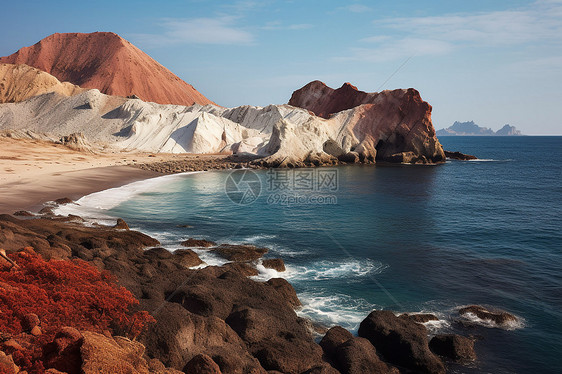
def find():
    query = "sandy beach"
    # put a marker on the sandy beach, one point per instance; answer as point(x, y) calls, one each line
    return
point(33, 171)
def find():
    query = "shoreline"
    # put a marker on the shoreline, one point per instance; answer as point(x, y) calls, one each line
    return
point(32, 195)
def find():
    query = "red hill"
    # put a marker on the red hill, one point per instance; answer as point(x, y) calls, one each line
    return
point(105, 61)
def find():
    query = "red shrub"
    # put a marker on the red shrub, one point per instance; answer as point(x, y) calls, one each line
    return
point(64, 293)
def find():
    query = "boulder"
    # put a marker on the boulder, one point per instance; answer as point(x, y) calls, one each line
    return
point(29, 321)
point(64, 200)
point(498, 317)
point(335, 337)
point(459, 156)
point(274, 263)
point(202, 364)
point(242, 268)
point(240, 253)
point(401, 341)
point(23, 213)
point(63, 353)
point(455, 347)
point(121, 225)
point(198, 243)
point(187, 258)
point(7, 365)
point(102, 354)
point(358, 356)
point(420, 317)
point(285, 290)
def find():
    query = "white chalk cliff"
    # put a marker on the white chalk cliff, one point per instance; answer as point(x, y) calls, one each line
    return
point(280, 134)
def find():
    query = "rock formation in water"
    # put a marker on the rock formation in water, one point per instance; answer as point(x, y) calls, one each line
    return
point(392, 126)
point(105, 61)
point(20, 82)
point(472, 129)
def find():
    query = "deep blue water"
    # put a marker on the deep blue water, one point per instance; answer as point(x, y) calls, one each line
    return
point(406, 238)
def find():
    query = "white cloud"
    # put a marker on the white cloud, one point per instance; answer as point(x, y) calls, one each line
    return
point(277, 25)
point(357, 8)
point(537, 24)
point(219, 30)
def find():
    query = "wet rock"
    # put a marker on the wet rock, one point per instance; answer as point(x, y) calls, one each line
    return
point(499, 317)
point(121, 225)
point(285, 290)
point(274, 263)
point(201, 243)
point(243, 268)
point(64, 200)
point(241, 253)
point(401, 341)
point(420, 317)
point(455, 347)
point(459, 156)
point(187, 258)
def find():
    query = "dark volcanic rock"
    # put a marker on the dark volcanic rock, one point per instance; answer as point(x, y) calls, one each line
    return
point(498, 317)
point(23, 213)
point(358, 356)
point(121, 225)
point(242, 268)
point(335, 337)
point(420, 317)
point(242, 253)
point(274, 263)
point(459, 156)
point(202, 364)
point(455, 347)
point(401, 341)
point(64, 200)
point(191, 242)
point(285, 290)
point(187, 258)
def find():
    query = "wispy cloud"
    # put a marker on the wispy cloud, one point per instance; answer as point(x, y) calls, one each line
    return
point(278, 25)
point(218, 30)
point(538, 23)
point(357, 8)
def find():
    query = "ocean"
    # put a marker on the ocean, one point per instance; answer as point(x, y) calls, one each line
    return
point(404, 238)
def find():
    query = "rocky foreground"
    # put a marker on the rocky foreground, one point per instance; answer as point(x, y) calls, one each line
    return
point(212, 319)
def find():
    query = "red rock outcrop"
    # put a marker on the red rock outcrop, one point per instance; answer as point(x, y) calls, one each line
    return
point(105, 61)
point(392, 126)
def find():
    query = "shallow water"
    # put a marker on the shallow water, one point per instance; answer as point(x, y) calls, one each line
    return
point(406, 238)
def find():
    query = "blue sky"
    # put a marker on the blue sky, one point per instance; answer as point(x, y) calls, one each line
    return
point(494, 62)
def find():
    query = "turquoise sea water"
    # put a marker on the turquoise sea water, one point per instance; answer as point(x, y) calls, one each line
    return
point(405, 238)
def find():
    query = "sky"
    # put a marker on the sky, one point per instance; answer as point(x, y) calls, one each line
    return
point(493, 62)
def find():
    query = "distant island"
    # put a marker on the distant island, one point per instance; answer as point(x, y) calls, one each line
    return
point(472, 129)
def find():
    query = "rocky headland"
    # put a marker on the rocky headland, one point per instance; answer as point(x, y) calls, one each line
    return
point(212, 319)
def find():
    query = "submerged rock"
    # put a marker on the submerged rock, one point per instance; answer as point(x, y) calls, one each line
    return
point(498, 317)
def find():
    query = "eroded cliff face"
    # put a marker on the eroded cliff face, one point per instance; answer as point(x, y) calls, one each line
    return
point(20, 82)
point(392, 126)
